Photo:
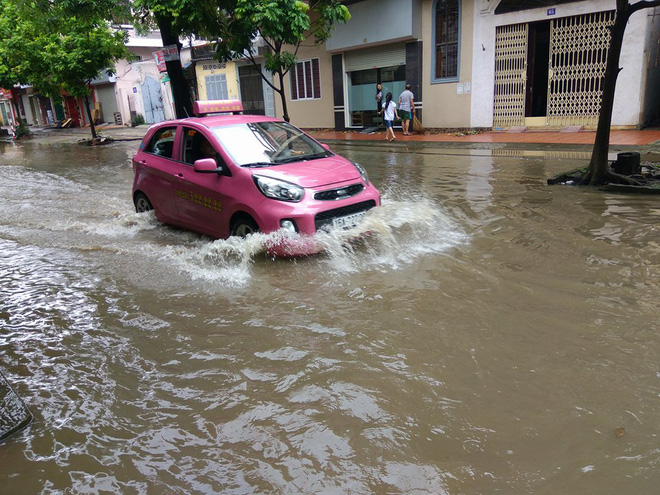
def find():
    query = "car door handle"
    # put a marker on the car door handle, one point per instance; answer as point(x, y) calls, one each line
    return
point(179, 175)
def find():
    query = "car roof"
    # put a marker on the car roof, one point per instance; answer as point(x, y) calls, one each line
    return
point(221, 120)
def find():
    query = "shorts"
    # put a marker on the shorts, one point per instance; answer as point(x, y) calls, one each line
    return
point(404, 114)
point(388, 123)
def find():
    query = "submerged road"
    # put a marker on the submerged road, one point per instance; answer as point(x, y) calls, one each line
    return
point(492, 334)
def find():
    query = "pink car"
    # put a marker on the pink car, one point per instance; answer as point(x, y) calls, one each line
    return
point(234, 174)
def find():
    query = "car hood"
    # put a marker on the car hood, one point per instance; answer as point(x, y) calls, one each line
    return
point(313, 173)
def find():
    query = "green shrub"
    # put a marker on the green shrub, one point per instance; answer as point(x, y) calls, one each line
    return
point(21, 129)
point(138, 119)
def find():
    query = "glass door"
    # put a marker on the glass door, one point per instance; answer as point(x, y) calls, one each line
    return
point(363, 108)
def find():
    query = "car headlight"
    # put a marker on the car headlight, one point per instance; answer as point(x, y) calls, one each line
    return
point(278, 189)
point(362, 171)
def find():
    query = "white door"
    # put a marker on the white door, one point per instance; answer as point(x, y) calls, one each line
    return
point(153, 101)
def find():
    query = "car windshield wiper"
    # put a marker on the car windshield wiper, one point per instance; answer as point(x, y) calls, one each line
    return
point(320, 154)
point(302, 158)
point(257, 164)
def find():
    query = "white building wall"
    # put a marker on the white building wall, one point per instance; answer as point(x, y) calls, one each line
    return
point(652, 60)
point(377, 22)
point(629, 92)
point(131, 75)
point(629, 96)
point(29, 118)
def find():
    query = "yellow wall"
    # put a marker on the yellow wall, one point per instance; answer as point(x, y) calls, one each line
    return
point(213, 67)
point(443, 105)
point(318, 113)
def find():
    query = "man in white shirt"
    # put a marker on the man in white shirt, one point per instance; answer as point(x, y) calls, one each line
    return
point(406, 109)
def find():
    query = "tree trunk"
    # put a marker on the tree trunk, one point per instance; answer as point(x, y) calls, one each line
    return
point(285, 111)
point(89, 116)
point(599, 166)
point(180, 89)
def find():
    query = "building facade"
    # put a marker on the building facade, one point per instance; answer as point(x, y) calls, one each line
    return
point(140, 87)
point(478, 63)
point(7, 115)
point(544, 66)
point(470, 63)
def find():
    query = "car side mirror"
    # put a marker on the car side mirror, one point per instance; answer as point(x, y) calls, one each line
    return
point(207, 166)
point(325, 146)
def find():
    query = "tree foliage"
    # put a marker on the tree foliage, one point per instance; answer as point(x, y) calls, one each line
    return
point(9, 76)
point(176, 19)
point(188, 17)
point(58, 45)
point(283, 25)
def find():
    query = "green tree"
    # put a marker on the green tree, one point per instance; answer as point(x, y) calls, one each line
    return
point(8, 75)
point(283, 25)
point(598, 172)
point(59, 45)
point(176, 19)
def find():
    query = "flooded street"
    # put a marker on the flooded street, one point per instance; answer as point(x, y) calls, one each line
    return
point(491, 335)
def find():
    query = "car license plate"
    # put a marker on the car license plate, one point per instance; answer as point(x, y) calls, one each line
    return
point(348, 221)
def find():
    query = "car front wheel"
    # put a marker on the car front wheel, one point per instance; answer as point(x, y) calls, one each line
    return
point(142, 203)
point(244, 226)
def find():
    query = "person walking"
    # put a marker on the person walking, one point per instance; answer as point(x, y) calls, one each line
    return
point(379, 97)
point(389, 113)
point(406, 109)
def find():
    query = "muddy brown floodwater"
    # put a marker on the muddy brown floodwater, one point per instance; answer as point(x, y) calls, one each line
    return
point(492, 335)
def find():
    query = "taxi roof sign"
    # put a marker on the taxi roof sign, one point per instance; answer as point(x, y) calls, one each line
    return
point(208, 107)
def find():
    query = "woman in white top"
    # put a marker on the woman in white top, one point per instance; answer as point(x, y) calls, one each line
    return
point(389, 113)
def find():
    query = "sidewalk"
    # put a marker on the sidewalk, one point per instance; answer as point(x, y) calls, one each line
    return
point(633, 138)
point(644, 141)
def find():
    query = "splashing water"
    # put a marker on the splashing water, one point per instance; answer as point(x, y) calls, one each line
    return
point(390, 237)
point(394, 235)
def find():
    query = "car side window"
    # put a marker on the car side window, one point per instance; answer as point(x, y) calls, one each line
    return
point(162, 142)
point(197, 146)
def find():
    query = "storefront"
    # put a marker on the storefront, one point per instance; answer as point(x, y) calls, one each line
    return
point(364, 70)
point(6, 110)
point(105, 97)
point(550, 73)
point(256, 100)
point(382, 42)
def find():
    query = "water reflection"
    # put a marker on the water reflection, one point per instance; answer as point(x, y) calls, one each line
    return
point(479, 189)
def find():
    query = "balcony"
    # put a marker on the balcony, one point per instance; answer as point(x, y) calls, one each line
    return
point(377, 22)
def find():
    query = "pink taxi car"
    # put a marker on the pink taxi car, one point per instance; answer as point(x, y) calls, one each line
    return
point(234, 174)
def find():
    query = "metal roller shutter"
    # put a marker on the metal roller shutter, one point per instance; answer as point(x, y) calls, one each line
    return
point(106, 96)
point(382, 56)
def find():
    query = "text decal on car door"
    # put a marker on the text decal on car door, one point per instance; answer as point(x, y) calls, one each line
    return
point(200, 199)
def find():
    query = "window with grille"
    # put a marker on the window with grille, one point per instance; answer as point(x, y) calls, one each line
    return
point(216, 87)
point(306, 80)
point(446, 40)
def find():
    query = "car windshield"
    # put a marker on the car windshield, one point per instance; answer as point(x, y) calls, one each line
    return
point(262, 144)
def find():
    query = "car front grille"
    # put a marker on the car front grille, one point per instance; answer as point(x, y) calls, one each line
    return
point(325, 217)
point(339, 193)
